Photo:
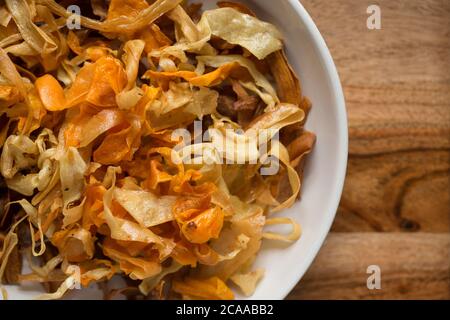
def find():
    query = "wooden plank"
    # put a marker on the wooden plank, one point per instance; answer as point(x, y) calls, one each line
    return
point(403, 191)
point(397, 87)
point(413, 266)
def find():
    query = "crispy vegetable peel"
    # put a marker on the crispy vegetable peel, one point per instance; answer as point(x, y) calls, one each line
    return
point(104, 170)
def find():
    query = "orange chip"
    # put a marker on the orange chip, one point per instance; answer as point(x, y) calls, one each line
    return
point(208, 289)
point(51, 93)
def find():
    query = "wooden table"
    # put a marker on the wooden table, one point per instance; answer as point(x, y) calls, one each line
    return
point(395, 207)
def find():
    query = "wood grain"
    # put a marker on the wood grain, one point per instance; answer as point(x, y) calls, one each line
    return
point(397, 88)
point(415, 266)
point(395, 208)
point(402, 191)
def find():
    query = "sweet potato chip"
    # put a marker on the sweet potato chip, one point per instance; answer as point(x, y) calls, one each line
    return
point(51, 93)
point(208, 289)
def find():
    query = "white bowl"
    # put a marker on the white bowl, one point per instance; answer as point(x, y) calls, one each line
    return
point(326, 166)
point(325, 171)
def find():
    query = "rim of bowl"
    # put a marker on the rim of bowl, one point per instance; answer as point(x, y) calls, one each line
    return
point(326, 58)
point(342, 156)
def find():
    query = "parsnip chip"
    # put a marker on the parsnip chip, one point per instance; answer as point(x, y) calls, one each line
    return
point(260, 38)
point(247, 282)
point(145, 207)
